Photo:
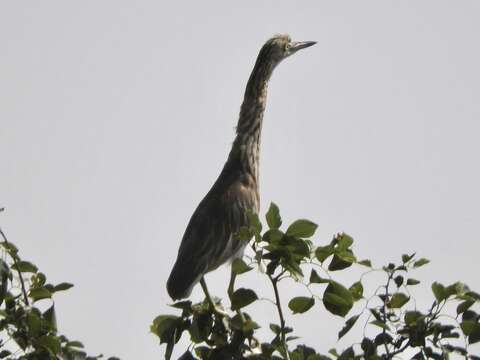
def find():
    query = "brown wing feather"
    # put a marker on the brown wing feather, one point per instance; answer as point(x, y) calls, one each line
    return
point(208, 241)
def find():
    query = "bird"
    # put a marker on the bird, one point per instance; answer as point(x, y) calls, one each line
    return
point(209, 240)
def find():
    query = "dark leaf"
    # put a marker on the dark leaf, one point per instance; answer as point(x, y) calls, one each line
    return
point(348, 325)
point(337, 299)
point(243, 297)
point(273, 218)
point(4, 354)
point(398, 280)
point(347, 354)
point(302, 228)
point(301, 304)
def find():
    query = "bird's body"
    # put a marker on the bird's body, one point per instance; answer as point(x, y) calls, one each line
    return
point(209, 239)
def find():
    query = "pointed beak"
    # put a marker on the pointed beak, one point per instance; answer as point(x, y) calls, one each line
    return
point(301, 45)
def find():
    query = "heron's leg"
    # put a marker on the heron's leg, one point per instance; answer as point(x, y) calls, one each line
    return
point(230, 292)
point(214, 307)
point(231, 284)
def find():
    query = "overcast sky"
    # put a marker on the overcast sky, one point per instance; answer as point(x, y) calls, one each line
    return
point(117, 116)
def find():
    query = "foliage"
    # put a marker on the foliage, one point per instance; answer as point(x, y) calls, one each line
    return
point(28, 321)
point(390, 315)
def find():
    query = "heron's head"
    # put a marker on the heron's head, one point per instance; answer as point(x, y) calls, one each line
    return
point(280, 47)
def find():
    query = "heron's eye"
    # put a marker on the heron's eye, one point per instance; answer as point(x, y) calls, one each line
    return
point(287, 46)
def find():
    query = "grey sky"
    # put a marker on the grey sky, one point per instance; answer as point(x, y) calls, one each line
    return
point(116, 117)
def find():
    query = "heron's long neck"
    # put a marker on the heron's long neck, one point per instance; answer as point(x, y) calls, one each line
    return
point(246, 147)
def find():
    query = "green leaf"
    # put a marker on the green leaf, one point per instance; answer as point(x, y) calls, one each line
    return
point(380, 324)
point(273, 218)
point(164, 326)
point(475, 334)
point(301, 304)
point(439, 291)
point(406, 258)
point(344, 241)
point(239, 266)
point(243, 234)
point(348, 325)
point(365, 262)
point(398, 300)
point(302, 228)
point(420, 262)
point(464, 306)
point(338, 263)
point(273, 236)
point(411, 317)
point(62, 286)
point(346, 255)
point(316, 279)
point(34, 323)
point(25, 266)
point(243, 297)
point(51, 318)
point(412, 282)
point(323, 252)
point(51, 343)
point(468, 326)
point(39, 294)
point(254, 222)
point(356, 290)
point(337, 299)
point(275, 328)
point(76, 344)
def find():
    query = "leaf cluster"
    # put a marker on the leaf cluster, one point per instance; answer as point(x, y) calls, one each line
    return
point(391, 322)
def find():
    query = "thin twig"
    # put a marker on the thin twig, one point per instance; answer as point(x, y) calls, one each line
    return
point(280, 315)
point(22, 283)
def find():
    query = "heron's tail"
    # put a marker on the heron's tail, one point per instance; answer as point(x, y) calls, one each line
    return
point(182, 279)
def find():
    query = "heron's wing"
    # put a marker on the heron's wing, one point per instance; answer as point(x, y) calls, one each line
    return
point(208, 240)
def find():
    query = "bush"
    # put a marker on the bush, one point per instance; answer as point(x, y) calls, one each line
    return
point(390, 311)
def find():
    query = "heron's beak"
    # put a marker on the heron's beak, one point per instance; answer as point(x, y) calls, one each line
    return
point(301, 45)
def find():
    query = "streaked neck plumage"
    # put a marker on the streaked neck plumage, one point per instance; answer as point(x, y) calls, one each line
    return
point(246, 146)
